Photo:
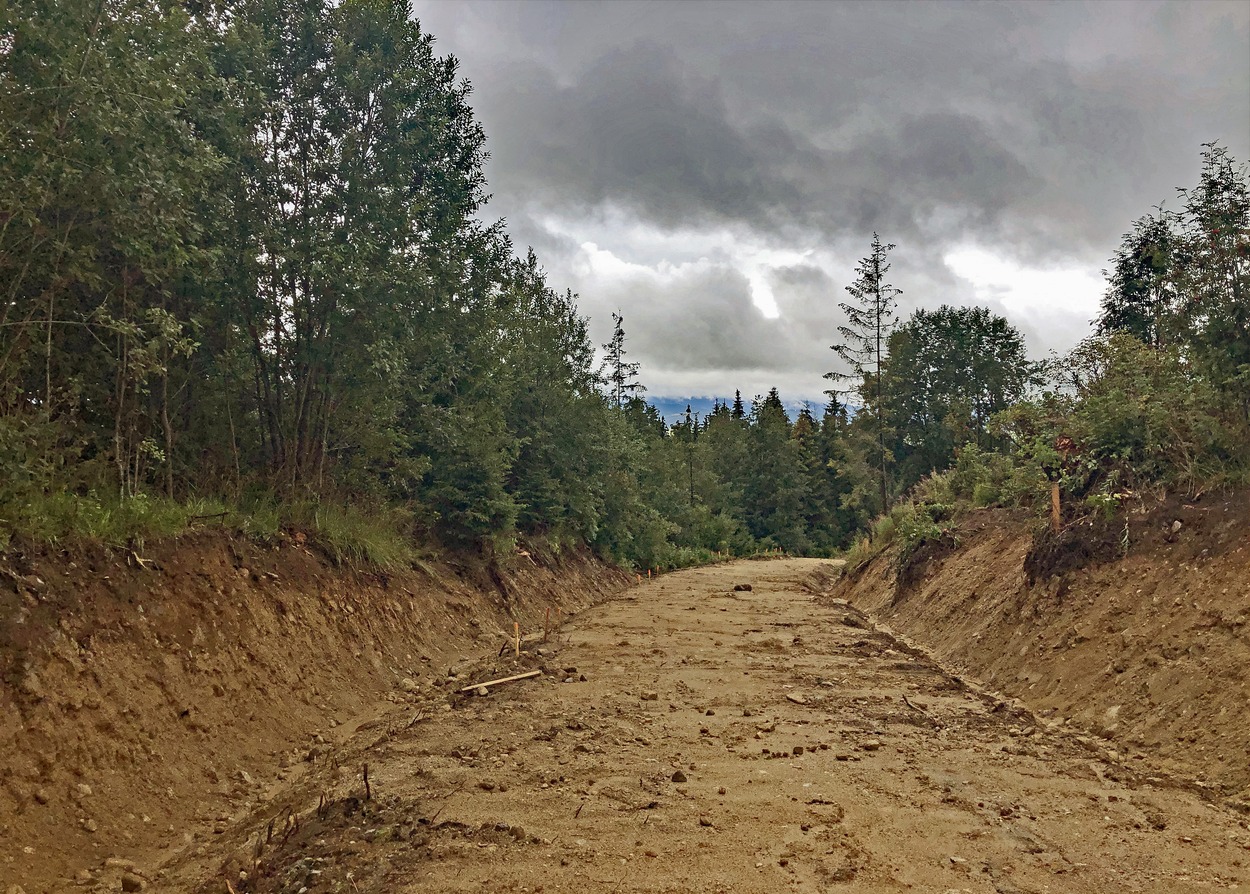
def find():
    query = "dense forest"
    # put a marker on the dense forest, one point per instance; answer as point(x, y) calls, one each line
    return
point(247, 281)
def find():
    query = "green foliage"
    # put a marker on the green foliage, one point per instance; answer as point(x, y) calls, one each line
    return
point(245, 279)
point(949, 371)
point(61, 517)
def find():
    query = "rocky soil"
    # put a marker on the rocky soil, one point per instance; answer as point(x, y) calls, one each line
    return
point(150, 700)
point(1144, 646)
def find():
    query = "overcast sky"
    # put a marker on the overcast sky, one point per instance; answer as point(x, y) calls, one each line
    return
point(715, 170)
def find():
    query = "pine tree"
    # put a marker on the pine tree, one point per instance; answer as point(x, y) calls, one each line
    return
point(870, 319)
point(739, 411)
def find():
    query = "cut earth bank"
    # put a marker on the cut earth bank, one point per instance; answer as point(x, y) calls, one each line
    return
point(687, 736)
point(143, 702)
point(1137, 633)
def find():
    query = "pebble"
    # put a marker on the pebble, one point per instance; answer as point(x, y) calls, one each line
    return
point(870, 745)
point(482, 691)
point(41, 796)
point(91, 826)
point(133, 883)
point(679, 776)
point(650, 696)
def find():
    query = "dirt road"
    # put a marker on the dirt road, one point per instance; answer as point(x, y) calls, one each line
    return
point(690, 738)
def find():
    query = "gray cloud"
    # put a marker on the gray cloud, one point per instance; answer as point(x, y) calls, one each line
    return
point(1034, 131)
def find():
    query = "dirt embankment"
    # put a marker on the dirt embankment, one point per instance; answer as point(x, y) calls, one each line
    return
point(138, 701)
point(1137, 632)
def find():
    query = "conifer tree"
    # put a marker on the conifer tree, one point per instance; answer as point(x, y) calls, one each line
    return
point(870, 316)
point(620, 374)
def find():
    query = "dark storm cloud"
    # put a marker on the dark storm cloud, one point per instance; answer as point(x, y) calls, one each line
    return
point(1036, 131)
point(636, 130)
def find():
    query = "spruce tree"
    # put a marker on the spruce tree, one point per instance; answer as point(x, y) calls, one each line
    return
point(620, 374)
point(870, 319)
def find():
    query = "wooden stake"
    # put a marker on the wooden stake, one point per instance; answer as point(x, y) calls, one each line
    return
point(1054, 507)
point(525, 676)
point(516, 638)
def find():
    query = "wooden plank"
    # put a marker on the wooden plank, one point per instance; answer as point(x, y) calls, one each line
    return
point(472, 686)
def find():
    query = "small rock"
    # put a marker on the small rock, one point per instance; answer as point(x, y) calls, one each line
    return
point(517, 832)
point(91, 826)
point(41, 796)
point(133, 883)
point(705, 822)
point(709, 713)
point(798, 749)
point(797, 699)
point(83, 789)
point(482, 690)
point(870, 745)
point(650, 696)
point(721, 790)
point(408, 684)
point(1177, 525)
point(742, 588)
point(679, 776)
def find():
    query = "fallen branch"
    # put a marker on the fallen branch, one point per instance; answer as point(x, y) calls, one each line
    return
point(473, 686)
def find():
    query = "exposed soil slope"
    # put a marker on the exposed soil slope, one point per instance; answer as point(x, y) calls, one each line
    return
point(1150, 650)
point(141, 702)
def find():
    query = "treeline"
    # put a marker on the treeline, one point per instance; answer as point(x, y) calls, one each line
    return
point(242, 262)
point(1156, 401)
point(245, 277)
